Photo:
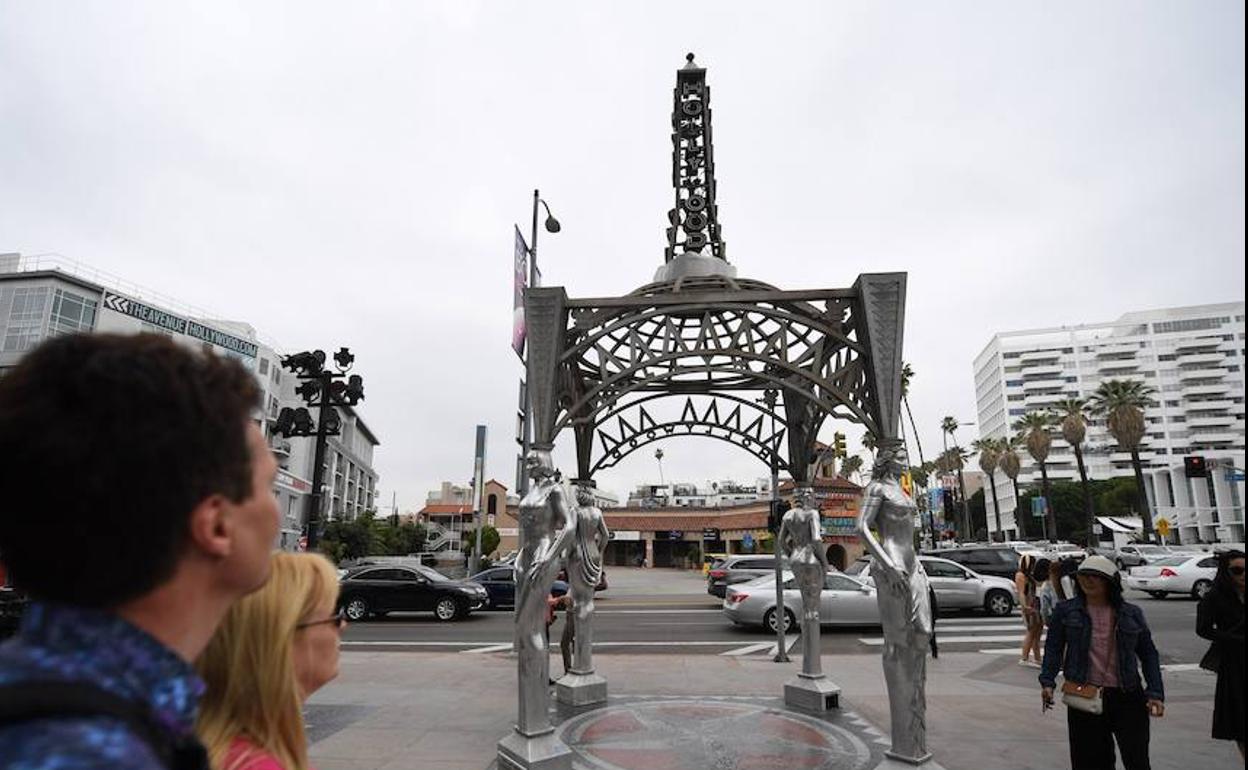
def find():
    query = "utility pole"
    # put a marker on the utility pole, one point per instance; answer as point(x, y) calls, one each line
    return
point(478, 480)
point(526, 430)
point(781, 614)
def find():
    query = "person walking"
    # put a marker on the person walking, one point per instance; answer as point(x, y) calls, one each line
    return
point(138, 507)
point(1049, 577)
point(1220, 619)
point(275, 648)
point(1025, 586)
point(1100, 643)
point(553, 605)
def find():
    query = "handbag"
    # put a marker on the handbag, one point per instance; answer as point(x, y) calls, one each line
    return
point(1083, 697)
point(1212, 659)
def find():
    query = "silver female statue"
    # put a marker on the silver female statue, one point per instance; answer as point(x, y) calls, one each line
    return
point(902, 593)
point(584, 574)
point(547, 528)
point(581, 686)
point(801, 542)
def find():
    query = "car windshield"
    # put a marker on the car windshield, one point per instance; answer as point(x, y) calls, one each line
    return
point(432, 574)
point(858, 567)
point(1172, 561)
point(1154, 549)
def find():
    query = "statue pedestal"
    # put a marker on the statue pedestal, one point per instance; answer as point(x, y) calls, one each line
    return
point(812, 693)
point(539, 752)
point(577, 689)
point(907, 760)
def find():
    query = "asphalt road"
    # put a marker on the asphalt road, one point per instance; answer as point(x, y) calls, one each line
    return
point(692, 623)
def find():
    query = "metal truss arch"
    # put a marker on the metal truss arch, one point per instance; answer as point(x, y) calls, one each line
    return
point(613, 457)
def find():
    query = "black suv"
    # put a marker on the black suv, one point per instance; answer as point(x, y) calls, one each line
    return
point(382, 588)
point(999, 560)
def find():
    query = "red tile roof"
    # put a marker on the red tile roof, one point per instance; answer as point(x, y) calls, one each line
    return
point(445, 509)
point(663, 519)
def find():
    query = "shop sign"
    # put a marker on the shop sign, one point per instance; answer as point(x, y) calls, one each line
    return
point(164, 320)
point(840, 525)
point(625, 535)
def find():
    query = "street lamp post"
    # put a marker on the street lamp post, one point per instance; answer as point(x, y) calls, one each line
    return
point(782, 654)
point(325, 390)
point(526, 432)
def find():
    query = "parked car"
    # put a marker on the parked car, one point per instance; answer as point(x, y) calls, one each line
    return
point(738, 569)
point(956, 587)
point(500, 587)
point(13, 603)
point(998, 560)
point(1135, 555)
point(844, 601)
point(377, 590)
point(1190, 574)
point(602, 581)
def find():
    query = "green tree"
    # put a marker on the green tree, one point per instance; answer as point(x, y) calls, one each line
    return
point(907, 375)
point(1035, 428)
point(1010, 464)
point(949, 428)
point(989, 455)
point(1122, 404)
point(1073, 412)
point(850, 466)
point(489, 540)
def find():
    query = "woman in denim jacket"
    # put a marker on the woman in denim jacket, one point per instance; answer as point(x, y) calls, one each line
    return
point(1097, 638)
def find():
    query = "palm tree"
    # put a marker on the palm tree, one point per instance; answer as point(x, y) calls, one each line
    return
point(907, 374)
point(1035, 429)
point(1122, 403)
point(949, 427)
point(1011, 465)
point(868, 441)
point(1073, 412)
point(989, 453)
point(850, 466)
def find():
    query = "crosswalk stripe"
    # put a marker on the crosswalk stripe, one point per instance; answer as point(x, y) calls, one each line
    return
point(788, 644)
point(968, 621)
point(492, 648)
point(960, 629)
point(943, 640)
point(750, 649)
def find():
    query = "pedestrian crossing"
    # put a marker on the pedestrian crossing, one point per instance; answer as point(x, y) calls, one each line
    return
point(967, 634)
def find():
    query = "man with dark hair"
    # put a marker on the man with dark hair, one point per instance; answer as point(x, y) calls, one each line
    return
point(137, 508)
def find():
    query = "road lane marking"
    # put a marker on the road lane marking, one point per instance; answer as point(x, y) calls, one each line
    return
point(1181, 667)
point(942, 639)
point(492, 648)
point(788, 644)
point(940, 628)
point(654, 612)
point(965, 621)
point(750, 649)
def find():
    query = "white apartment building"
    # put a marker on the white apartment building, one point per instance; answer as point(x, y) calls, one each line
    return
point(1192, 356)
point(42, 297)
point(713, 494)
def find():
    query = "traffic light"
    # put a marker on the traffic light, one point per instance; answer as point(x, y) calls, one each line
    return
point(1194, 467)
point(838, 444)
point(776, 514)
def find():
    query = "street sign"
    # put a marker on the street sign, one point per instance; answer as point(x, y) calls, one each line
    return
point(1233, 475)
point(1039, 507)
point(747, 540)
point(1163, 527)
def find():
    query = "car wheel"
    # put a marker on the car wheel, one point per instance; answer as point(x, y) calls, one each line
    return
point(769, 620)
point(998, 604)
point(1120, 565)
point(356, 609)
point(1200, 588)
point(446, 609)
point(1157, 594)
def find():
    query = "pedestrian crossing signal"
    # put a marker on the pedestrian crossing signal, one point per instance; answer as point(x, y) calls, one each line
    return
point(1194, 467)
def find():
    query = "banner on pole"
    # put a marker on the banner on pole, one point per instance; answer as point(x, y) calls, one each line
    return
point(521, 280)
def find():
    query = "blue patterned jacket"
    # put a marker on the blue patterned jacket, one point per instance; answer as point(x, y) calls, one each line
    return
point(58, 642)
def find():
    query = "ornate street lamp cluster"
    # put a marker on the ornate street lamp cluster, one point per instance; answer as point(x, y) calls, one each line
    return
point(325, 389)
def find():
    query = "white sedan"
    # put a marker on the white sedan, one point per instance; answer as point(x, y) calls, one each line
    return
point(1181, 574)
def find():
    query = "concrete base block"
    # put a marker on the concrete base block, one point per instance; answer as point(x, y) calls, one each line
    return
point(541, 752)
point(819, 694)
point(575, 689)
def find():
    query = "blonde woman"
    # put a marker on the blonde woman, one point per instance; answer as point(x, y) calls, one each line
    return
point(275, 648)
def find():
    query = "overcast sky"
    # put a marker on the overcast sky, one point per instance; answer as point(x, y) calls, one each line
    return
point(349, 173)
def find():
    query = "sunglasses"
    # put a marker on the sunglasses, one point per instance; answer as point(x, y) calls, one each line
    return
point(338, 619)
point(1238, 570)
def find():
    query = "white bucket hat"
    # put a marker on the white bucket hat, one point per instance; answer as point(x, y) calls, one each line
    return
point(1099, 565)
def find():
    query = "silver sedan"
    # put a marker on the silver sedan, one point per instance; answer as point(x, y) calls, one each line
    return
point(957, 587)
point(844, 601)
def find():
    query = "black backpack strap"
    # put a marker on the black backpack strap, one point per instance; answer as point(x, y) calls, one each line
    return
point(59, 699)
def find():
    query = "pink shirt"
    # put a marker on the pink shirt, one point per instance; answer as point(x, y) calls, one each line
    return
point(1103, 657)
point(245, 755)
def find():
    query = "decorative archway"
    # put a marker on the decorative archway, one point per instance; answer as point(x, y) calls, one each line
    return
point(600, 366)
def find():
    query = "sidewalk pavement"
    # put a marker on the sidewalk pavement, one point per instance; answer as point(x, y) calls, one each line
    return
point(447, 711)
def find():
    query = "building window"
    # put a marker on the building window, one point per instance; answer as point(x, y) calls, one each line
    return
point(26, 318)
point(491, 505)
point(71, 313)
point(264, 367)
